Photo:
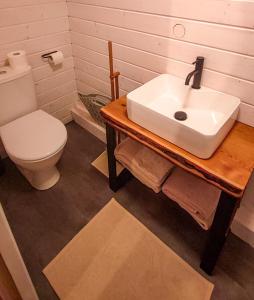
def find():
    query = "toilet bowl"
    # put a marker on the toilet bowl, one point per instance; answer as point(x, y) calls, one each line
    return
point(35, 143)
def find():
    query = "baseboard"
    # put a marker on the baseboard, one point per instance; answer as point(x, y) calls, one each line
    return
point(243, 232)
point(67, 119)
point(243, 224)
point(82, 117)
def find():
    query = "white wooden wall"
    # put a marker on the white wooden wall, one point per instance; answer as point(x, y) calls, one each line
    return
point(41, 26)
point(145, 43)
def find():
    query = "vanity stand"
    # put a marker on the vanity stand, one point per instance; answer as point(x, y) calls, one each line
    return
point(229, 169)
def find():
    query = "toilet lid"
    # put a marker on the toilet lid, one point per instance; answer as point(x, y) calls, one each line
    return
point(34, 136)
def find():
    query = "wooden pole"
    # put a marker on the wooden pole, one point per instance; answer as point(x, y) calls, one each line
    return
point(111, 70)
point(113, 80)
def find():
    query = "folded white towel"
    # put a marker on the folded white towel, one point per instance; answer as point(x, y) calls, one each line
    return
point(145, 164)
point(194, 194)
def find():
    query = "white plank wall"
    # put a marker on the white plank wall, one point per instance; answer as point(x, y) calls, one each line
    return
point(146, 44)
point(38, 27)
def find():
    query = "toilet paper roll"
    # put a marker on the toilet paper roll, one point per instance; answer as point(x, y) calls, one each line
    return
point(17, 59)
point(56, 58)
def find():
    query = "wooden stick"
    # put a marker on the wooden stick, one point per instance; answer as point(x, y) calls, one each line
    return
point(116, 75)
point(111, 70)
point(113, 82)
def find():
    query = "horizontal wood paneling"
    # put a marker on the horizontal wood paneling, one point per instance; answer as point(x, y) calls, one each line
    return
point(38, 26)
point(34, 13)
point(161, 64)
point(23, 32)
point(236, 12)
point(18, 3)
point(246, 114)
point(51, 82)
point(87, 89)
point(145, 44)
point(202, 33)
point(57, 92)
point(64, 114)
point(46, 42)
point(58, 104)
point(222, 61)
point(130, 59)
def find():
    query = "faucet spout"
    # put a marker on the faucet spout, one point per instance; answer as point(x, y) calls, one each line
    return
point(189, 76)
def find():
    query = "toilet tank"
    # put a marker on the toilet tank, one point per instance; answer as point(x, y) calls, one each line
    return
point(17, 93)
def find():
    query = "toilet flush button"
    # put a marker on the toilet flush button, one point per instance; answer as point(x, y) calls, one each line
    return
point(179, 30)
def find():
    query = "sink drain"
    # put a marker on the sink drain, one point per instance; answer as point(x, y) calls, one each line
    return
point(180, 116)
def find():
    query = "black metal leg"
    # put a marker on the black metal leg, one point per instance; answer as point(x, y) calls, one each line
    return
point(2, 168)
point(219, 231)
point(111, 145)
point(115, 182)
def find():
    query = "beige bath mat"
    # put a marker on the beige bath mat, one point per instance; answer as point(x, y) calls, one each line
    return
point(115, 257)
point(101, 164)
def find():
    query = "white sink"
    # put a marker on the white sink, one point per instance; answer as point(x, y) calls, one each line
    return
point(210, 114)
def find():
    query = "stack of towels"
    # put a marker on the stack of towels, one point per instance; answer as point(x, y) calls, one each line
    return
point(193, 194)
point(145, 164)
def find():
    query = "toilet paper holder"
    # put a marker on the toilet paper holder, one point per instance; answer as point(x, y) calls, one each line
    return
point(48, 55)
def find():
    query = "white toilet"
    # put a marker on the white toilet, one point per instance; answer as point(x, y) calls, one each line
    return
point(33, 139)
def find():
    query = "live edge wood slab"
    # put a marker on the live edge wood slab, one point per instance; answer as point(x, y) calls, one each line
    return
point(229, 168)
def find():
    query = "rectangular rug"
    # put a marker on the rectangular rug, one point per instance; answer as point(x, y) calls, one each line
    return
point(115, 257)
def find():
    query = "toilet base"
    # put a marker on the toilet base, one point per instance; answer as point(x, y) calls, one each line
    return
point(43, 179)
point(41, 174)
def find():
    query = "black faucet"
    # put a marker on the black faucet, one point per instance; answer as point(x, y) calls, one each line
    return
point(197, 73)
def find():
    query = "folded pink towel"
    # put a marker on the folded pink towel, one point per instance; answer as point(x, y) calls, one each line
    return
point(195, 195)
point(145, 164)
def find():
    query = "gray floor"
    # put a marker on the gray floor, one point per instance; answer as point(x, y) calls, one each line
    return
point(44, 222)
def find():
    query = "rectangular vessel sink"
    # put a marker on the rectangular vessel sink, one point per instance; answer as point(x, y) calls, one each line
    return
point(210, 114)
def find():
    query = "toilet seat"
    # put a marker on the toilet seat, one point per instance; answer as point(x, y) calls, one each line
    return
point(34, 136)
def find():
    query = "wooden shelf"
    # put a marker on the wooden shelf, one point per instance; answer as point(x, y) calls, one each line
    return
point(229, 168)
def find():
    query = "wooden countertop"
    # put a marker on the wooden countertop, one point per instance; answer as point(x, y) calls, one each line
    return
point(229, 168)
